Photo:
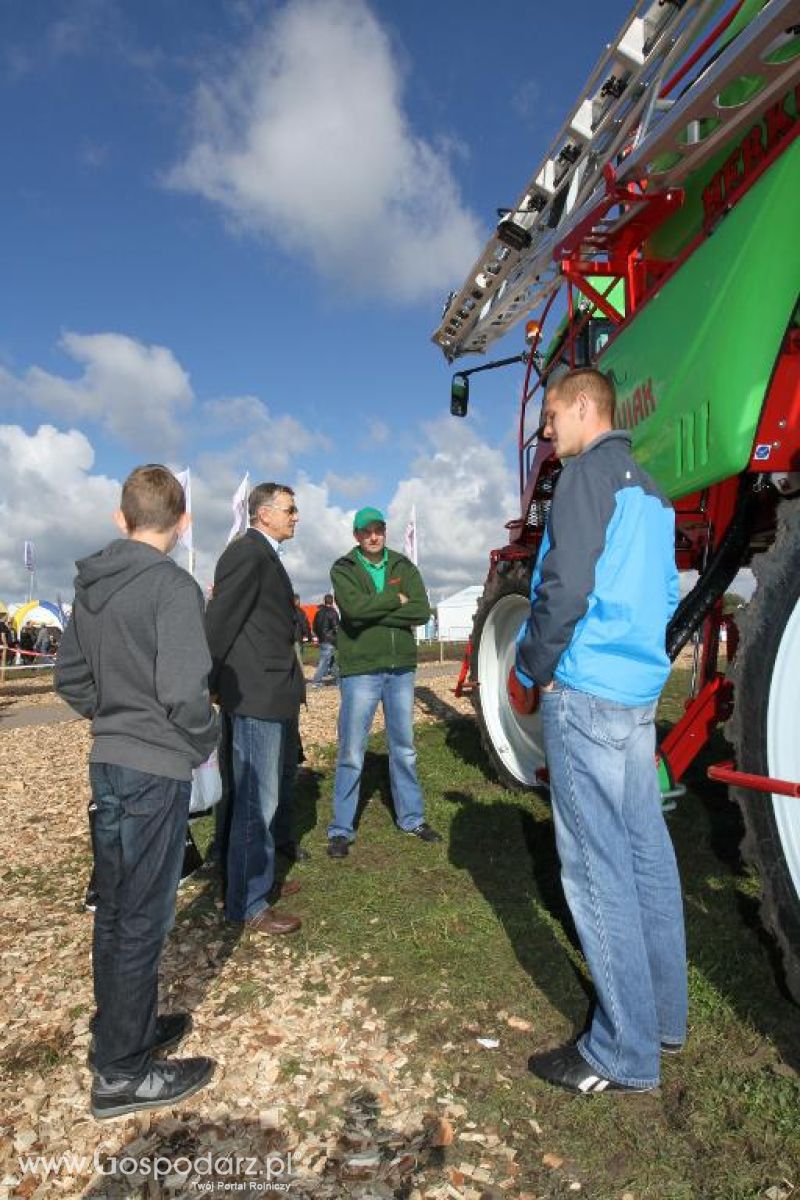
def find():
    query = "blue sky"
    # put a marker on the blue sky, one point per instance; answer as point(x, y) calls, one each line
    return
point(227, 231)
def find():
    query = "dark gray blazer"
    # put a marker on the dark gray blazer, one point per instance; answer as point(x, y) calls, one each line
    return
point(251, 629)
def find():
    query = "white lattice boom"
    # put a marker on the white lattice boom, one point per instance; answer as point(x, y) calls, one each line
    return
point(621, 120)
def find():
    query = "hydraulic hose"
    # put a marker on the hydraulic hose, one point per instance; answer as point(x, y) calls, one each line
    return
point(717, 576)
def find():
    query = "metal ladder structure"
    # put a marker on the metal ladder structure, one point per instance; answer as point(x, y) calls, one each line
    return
point(628, 130)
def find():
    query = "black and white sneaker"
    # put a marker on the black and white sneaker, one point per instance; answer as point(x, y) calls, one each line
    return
point(425, 833)
point(671, 1048)
point(338, 847)
point(566, 1067)
point(165, 1083)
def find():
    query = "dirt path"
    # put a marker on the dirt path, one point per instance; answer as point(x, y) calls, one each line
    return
point(306, 1065)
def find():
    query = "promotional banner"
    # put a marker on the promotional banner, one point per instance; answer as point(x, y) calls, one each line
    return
point(410, 543)
point(184, 478)
point(239, 506)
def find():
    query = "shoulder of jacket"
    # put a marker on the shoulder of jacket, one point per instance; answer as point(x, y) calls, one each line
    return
point(238, 548)
point(178, 581)
point(346, 561)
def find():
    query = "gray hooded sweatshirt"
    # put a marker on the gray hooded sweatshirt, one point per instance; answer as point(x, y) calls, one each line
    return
point(134, 659)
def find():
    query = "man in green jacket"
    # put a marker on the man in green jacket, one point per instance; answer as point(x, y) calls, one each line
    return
point(381, 598)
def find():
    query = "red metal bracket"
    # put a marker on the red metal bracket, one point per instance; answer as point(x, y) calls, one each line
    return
point(777, 446)
point(463, 685)
point(725, 772)
point(686, 739)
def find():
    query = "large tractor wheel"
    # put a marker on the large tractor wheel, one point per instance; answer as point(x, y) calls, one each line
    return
point(765, 730)
point(508, 715)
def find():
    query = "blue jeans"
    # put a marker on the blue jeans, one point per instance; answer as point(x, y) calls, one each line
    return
point(138, 834)
point(326, 665)
point(620, 878)
point(360, 696)
point(284, 832)
point(260, 768)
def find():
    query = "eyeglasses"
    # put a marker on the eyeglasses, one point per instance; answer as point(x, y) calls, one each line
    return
point(291, 511)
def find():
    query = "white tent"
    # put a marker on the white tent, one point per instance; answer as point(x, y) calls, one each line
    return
point(455, 614)
point(37, 614)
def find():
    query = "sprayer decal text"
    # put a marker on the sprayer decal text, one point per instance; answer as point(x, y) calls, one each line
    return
point(777, 125)
point(636, 407)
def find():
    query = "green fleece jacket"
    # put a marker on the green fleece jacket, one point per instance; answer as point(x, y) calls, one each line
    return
point(376, 633)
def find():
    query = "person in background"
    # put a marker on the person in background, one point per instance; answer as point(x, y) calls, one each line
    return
point(381, 598)
point(134, 660)
point(603, 589)
point(43, 644)
point(326, 625)
point(7, 640)
point(303, 625)
point(27, 641)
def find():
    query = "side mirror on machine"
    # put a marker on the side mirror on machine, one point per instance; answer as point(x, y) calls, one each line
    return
point(459, 396)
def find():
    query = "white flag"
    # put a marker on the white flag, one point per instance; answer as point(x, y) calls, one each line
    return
point(29, 556)
point(239, 506)
point(184, 478)
point(410, 544)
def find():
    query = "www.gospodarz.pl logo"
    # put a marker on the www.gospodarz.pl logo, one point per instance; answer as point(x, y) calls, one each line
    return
point(210, 1173)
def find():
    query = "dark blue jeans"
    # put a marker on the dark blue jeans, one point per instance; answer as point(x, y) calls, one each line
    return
point(264, 762)
point(139, 833)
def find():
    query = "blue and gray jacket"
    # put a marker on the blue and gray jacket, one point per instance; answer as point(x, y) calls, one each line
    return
point(605, 582)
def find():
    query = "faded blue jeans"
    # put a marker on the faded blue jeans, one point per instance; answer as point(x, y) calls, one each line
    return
point(360, 697)
point(260, 770)
point(326, 664)
point(138, 835)
point(620, 879)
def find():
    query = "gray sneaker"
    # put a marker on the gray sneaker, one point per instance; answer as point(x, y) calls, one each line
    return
point(425, 833)
point(166, 1083)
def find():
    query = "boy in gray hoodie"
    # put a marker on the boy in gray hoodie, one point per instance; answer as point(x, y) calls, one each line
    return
point(134, 660)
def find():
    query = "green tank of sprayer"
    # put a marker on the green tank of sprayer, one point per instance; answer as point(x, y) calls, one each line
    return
point(660, 237)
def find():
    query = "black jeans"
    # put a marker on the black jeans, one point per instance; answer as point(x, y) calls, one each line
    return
point(139, 830)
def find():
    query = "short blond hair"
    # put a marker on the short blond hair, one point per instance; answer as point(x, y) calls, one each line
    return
point(152, 498)
point(588, 379)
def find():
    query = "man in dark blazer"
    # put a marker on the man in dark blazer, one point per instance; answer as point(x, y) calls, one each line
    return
point(251, 627)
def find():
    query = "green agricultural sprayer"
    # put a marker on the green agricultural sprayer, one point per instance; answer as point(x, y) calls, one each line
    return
point(660, 239)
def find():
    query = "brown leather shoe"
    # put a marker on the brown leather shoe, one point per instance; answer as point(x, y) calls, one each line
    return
point(286, 887)
point(271, 921)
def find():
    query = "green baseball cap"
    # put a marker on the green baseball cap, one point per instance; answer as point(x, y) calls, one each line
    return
point(368, 516)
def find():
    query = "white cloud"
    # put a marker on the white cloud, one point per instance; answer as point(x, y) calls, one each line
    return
point(305, 142)
point(463, 490)
point(266, 443)
point(351, 486)
point(462, 487)
point(464, 493)
point(378, 433)
point(50, 497)
point(136, 392)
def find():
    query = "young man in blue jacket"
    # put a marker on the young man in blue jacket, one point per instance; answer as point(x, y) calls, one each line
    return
point(603, 589)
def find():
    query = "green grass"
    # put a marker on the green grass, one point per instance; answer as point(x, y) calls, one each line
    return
point(426, 652)
point(474, 930)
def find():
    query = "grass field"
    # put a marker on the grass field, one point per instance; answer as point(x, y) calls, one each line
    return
point(474, 932)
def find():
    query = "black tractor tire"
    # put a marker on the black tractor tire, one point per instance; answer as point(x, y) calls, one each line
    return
point(512, 742)
point(765, 732)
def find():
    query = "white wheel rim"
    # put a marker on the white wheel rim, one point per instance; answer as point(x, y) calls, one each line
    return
point(783, 741)
point(517, 739)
